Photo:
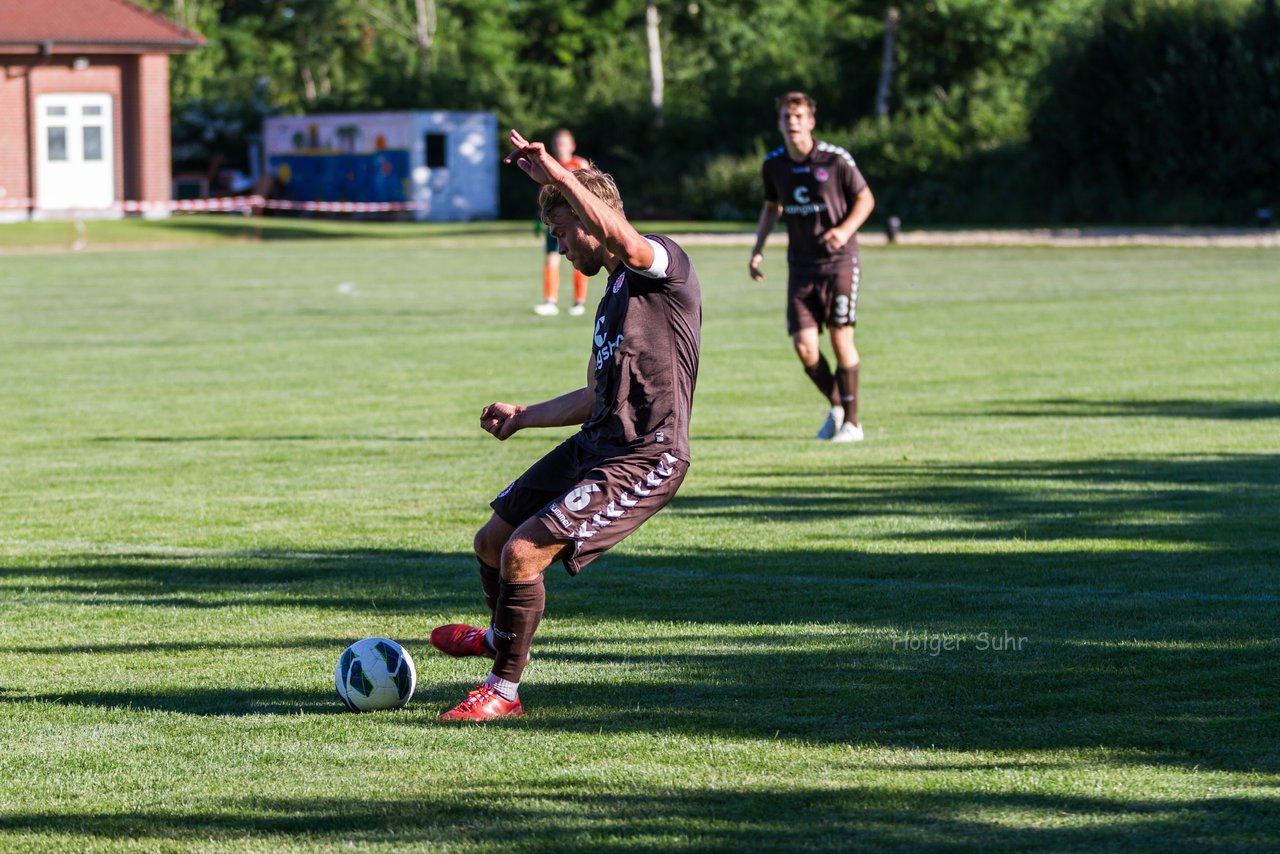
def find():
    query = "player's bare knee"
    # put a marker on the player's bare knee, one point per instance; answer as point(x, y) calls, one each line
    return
point(807, 352)
point(843, 345)
point(480, 545)
point(488, 544)
point(522, 560)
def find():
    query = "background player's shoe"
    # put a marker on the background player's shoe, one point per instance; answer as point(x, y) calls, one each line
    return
point(547, 309)
point(834, 419)
point(459, 641)
point(577, 310)
point(484, 704)
point(848, 432)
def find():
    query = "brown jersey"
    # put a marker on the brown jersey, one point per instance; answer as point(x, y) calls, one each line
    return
point(644, 358)
point(816, 194)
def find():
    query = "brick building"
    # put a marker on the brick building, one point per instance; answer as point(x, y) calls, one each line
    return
point(84, 105)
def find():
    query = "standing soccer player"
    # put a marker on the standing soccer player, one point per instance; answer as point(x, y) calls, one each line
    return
point(564, 146)
point(632, 452)
point(825, 199)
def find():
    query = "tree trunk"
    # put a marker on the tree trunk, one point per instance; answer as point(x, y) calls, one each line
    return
point(426, 31)
point(308, 86)
point(886, 62)
point(651, 21)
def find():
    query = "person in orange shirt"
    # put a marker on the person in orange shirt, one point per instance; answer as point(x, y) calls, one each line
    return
point(562, 147)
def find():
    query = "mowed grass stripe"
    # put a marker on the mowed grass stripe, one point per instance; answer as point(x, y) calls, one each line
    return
point(223, 464)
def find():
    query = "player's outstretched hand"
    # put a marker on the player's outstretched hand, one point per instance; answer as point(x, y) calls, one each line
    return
point(500, 419)
point(755, 267)
point(535, 160)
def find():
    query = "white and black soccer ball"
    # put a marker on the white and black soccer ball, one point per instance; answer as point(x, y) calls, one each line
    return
point(374, 674)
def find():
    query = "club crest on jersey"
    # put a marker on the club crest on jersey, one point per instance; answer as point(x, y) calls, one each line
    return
point(821, 174)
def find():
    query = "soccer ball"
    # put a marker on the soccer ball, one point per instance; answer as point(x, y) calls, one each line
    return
point(375, 673)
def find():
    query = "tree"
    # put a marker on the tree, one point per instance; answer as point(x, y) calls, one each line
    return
point(886, 62)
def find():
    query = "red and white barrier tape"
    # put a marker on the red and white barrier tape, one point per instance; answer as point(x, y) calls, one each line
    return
point(343, 207)
point(239, 203)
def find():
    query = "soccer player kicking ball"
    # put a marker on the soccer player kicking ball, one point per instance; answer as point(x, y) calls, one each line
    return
point(632, 452)
point(825, 200)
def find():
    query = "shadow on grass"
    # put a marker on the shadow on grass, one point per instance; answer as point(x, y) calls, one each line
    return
point(393, 581)
point(729, 643)
point(1163, 640)
point(1224, 410)
point(228, 702)
point(584, 818)
point(1226, 502)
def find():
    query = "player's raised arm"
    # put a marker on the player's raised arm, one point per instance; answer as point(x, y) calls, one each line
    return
point(607, 225)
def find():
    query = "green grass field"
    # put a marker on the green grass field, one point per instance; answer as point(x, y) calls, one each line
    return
point(222, 464)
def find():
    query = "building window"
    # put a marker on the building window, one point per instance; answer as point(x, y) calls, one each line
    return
point(55, 111)
point(91, 111)
point(436, 151)
point(92, 143)
point(57, 143)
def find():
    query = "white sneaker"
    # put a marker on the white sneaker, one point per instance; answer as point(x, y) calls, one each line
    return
point(829, 427)
point(547, 309)
point(577, 309)
point(848, 432)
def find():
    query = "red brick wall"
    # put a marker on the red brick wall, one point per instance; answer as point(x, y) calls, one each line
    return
point(152, 138)
point(139, 87)
point(13, 130)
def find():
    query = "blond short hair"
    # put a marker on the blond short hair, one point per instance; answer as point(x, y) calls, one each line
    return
point(597, 183)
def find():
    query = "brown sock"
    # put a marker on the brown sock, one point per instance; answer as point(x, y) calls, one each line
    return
point(490, 578)
point(847, 382)
point(823, 379)
point(520, 607)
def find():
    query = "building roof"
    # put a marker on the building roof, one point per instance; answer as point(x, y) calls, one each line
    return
point(90, 23)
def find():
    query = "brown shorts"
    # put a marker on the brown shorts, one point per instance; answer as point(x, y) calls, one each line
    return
point(822, 298)
point(588, 501)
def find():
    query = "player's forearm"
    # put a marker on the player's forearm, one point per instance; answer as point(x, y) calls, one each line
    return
point(769, 216)
point(863, 204)
point(563, 411)
point(607, 225)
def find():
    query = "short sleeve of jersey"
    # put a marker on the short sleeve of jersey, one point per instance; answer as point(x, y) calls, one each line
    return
point(851, 179)
point(770, 191)
point(678, 263)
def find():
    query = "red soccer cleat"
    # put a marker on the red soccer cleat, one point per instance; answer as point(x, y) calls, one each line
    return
point(460, 641)
point(484, 704)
